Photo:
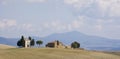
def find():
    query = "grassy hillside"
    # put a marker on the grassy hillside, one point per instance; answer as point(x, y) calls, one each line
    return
point(2, 46)
point(49, 53)
point(115, 53)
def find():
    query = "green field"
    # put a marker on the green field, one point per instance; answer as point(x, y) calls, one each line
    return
point(50, 53)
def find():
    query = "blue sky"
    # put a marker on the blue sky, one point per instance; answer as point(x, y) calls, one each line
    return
point(44, 17)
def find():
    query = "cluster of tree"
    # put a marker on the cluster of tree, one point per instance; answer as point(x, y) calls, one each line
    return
point(21, 42)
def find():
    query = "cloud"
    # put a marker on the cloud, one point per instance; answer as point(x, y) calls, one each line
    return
point(106, 7)
point(9, 2)
point(26, 27)
point(115, 10)
point(79, 3)
point(110, 6)
point(12, 24)
point(5, 23)
point(99, 27)
point(60, 26)
point(54, 25)
point(3, 2)
point(82, 23)
point(36, 1)
point(78, 23)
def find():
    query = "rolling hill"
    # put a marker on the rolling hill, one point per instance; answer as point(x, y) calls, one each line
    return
point(49, 53)
point(87, 41)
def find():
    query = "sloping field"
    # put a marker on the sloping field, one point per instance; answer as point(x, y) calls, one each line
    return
point(49, 53)
point(115, 53)
point(2, 46)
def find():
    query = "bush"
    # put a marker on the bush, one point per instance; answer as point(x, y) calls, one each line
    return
point(75, 45)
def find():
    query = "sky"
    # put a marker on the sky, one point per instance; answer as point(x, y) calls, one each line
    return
point(45, 17)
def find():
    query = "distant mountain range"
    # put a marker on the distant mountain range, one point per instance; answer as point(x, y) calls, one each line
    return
point(86, 41)
point(8, 41)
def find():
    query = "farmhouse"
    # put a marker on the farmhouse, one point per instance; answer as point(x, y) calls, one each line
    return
point(55, 44)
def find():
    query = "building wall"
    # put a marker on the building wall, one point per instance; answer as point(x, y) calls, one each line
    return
point(52, 45)
point(27, 43)
point(55, 44)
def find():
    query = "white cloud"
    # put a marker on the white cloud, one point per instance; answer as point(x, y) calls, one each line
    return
point(79, 3)
point(27, 27)
point(3, 2)
point(4, 23)
point(104, 4)
point(109, 7)
point(14, 25)
point(71, 1)
point(99, 27)
point(69, 27)
point(6, 2)
point(54, 25)
point(77, 23)
point(115, 10)
point(36, 1)
point(60, 26)
point(83, 24)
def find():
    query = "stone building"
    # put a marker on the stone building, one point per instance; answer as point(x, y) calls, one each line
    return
point(27, 43)
point(55, 44)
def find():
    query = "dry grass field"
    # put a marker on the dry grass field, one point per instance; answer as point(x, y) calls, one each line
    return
point(2, 46)
point(50, 53)
point(115, 53)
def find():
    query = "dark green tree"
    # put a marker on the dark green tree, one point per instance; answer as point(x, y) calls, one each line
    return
point(39, 42)
point(29, 38)
point(32, 43)
point(21, 42)
point(75, 45)
point(57, 42)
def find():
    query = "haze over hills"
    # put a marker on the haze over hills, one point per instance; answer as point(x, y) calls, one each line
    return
point(87, 41)
point(8, 41)
point(3, 46)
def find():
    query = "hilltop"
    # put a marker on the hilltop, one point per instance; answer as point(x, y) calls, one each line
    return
point(52, 53)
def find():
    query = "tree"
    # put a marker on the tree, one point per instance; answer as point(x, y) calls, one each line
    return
point(75, 45)
point(32, 43)
point(57, 42)
point(39, 42)
point(21, 42)
point(29, 38)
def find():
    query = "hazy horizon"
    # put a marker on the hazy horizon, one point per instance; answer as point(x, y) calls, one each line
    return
point(45, 17)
